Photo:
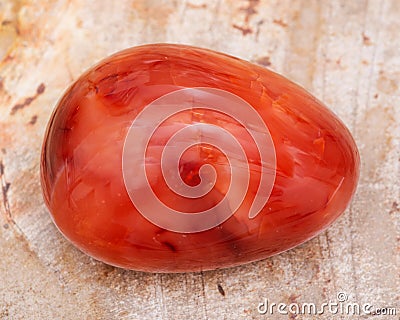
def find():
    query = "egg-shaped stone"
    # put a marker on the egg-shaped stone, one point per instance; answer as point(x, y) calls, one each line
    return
point(171, 158)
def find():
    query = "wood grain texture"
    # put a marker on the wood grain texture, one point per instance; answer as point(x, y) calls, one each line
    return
point(345, 52)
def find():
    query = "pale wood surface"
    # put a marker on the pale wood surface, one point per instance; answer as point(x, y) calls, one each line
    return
point(345, 52)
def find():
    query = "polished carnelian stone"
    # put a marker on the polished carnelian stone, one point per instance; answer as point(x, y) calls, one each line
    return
point(170, 158)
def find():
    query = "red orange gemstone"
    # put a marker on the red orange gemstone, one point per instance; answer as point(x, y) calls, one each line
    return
point(170, 158)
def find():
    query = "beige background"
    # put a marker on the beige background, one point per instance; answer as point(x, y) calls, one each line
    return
point(347, 53)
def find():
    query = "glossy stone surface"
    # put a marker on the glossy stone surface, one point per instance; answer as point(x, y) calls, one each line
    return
point(306, 170)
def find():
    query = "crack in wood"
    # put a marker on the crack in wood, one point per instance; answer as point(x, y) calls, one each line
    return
point(19, 106)
point(244, 29)
point(221, 290)
point(250, 9)
point(203, 290)
point(5, 186)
